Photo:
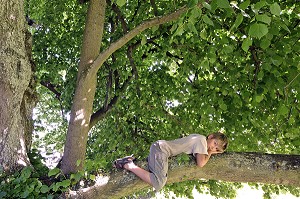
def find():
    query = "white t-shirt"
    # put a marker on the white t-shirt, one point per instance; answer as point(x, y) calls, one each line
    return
point(191, 144)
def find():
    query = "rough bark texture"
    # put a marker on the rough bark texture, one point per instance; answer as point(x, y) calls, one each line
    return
point(16, 96)
point(231, 167)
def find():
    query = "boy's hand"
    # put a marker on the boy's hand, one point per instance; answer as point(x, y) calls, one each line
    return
point(210, 152)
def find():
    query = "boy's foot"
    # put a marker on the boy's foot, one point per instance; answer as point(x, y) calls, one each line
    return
point(119, 163)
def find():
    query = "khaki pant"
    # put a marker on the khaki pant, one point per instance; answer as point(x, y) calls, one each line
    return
point(158, 166)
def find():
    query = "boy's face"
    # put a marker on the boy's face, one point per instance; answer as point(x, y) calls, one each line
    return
point(214, 145)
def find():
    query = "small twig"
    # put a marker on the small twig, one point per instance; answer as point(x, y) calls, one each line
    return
point(256, 63)
point(136, 11)
point(152, 2)
point(134, 69)
point(291, 81)
point(52, 88)
point(116, 9)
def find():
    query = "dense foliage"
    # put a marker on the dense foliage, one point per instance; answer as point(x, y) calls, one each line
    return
point(231, 66)
point(228, 66)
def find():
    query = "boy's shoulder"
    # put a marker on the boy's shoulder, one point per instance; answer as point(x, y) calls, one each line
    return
point(197, 137)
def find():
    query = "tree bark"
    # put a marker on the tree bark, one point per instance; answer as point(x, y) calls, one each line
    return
point(17, 98)
point(230, 167)
point(75, 147)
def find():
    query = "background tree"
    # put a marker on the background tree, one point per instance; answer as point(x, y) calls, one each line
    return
point(160, 70)
point(18, 96)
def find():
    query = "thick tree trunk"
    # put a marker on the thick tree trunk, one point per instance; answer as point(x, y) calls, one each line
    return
point(75, 147)
point(16, 97)
point(231, 167)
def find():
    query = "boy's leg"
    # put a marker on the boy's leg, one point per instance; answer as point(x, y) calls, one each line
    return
point(141, 173)
point(158, 166)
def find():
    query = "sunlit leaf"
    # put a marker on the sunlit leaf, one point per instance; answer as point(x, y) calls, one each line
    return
point(207, 20)
point(53, 172)
point(223, 3)
point(238, 21)
point(258, 30)
point(275, 9)
point(246, 44)
point(263, 18)
point(120, 2)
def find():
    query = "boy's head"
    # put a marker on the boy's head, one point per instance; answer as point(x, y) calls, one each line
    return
point(217, 142)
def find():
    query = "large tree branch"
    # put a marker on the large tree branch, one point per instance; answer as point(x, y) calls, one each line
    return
point(231, 167)
point(131, 34)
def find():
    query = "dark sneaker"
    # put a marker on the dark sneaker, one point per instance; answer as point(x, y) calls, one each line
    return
point(119, 163)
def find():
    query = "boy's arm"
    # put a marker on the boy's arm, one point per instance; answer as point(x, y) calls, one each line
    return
point(202, 159)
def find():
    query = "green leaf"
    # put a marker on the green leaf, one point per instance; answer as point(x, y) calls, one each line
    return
point(238, 21)
point(223, 106)
point(260, 75)
point(53, 172)
point(76, 176)
point(205, 64)
point(283, 110)
point(259, 5)
point(25, 194)
point(65, 183)
point(282, 25)
point(179, 30)
point(55, 187)
point(212, 57)
point(246, 44)
point(276, 60)
point(265, 43)
point(258, 30)
point(263, 18)
point(92, 177)
point(192, 3)
point(143, 42)
point(228, 49)
point(195, 13)
point(26, 172)
point(244, 5)
point(120, 3)
point(78, 162)
point(223, 4)
point(44, 189)
point(224, 92)
point(192, 28)
point(203, 34)
point(275, 9)
point(259, 98)
point(207, 20)
point(206, 5)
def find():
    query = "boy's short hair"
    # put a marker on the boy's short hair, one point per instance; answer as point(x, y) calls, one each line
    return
point(222, 139)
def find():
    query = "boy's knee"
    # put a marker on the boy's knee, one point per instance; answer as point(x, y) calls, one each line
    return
point(158, 182)
point(161, 185)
